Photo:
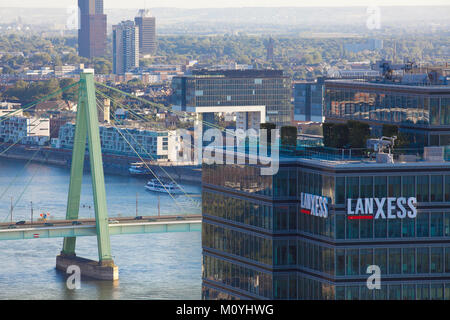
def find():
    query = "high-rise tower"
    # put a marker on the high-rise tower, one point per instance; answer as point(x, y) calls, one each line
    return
point(125, 47)
point(147, 32)
point(92, 32)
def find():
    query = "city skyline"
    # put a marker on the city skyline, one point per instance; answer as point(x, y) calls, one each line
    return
point(228, 4)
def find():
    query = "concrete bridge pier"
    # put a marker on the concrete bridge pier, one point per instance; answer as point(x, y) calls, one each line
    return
point(105, 270)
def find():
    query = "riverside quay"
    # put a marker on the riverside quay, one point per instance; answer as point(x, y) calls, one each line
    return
point(312, 230)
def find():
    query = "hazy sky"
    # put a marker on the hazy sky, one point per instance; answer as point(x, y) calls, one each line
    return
point(220, 3)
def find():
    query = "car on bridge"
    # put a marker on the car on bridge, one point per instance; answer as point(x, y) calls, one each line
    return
point(114, 221)
point(20, 223)
point(76, 223)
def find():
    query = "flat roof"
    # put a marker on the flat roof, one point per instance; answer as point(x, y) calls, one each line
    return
point(252, 73)
point(332, 162)
point(368, 165)
point(391, 86)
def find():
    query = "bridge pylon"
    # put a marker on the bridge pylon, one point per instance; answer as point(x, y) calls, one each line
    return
point(87, 128)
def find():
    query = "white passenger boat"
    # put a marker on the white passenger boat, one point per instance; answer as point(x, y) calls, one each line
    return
point(163, 187)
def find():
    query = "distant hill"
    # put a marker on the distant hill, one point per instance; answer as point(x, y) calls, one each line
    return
point(172, 20)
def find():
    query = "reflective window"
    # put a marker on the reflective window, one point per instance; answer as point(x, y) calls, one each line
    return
point(352, 187)
point(366, 187)
point(366, 229)
point(447, 224)
point(436, 265)
point(423, 292)
point(436, 224)
point(394, 292)
point(380, 226)
point(395, 189)
point(366, 259)
point(447, 188)
point(380, 186)
point(340, 262)
point(352, 229)
point(423, 189)
point(408, 186)
point(394, 228)
point(409, 292)
point(380, 259)
point(423, 224)
point(394, 260)
point(423, 264)
point(408, 261)
point(352, 262)
point(436, 188)
point(437, 291)
point(351, 293)
point(340, 190)
point(447, 260)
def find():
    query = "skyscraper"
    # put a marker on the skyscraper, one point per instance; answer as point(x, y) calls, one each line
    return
point(125, 47)
point(270, 49)
point(147, 32)
point(92, 32)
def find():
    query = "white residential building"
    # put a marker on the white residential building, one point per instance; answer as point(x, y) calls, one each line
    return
point(149, 144)
point(25, 130)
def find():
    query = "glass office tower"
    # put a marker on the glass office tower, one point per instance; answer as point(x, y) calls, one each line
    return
point(421, 111)
point(308, 101)
point(298, 235)
point(234, 88)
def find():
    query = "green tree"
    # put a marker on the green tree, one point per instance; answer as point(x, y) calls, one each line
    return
point(289, 136)
point(359, 132)
point(102, 66)
point(389, 130)
point(335, 135)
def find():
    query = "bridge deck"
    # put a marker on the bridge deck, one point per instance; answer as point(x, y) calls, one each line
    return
point(117, 226)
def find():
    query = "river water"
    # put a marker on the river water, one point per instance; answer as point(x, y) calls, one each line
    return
point(151, 266)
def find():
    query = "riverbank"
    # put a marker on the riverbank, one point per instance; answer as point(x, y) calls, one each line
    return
point(112, 164)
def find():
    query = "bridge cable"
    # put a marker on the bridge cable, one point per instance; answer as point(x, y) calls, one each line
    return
point(126, 140)
point(28, 162)
point(182, 113)
point(162, 168)
point(32, 104)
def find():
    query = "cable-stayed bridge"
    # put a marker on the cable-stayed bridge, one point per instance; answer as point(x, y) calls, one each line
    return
point(87, 129)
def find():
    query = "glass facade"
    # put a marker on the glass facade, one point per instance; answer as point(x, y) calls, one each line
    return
point(308, 101)
point(237, 88)
point(422, 112)
point(258, 242)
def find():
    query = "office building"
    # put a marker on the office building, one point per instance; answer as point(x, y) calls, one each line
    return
point(311, 231)
point(92, 32)
point(420, 111)
point(147, 32)
point(257, 96)
point(125, 47)
point(308, 101)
